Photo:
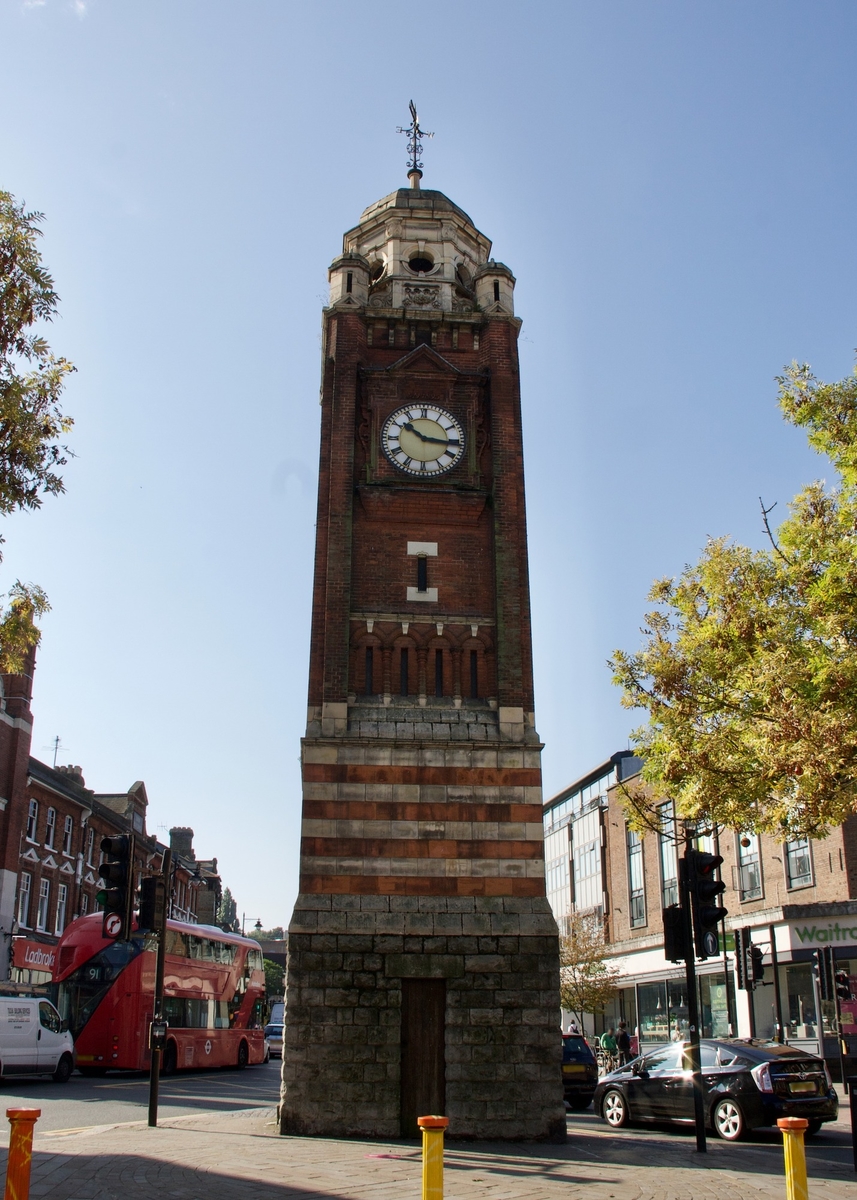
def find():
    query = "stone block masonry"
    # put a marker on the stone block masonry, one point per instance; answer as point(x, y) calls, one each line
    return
point(348, 956)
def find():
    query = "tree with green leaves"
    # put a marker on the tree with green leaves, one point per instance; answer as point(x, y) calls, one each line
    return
point(32, 423)
point(274, 977)
point(227, 912)
point(748, 671)
point(587, 983)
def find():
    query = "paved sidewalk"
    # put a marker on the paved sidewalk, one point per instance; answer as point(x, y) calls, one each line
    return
point(239, 1156)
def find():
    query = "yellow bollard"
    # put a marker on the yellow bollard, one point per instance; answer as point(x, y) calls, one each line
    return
point(793, 1129)
point(20, 1157)
point(432, 1128)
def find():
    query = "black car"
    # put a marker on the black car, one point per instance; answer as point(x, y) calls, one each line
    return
point(579, 1071)
point(745, 1084)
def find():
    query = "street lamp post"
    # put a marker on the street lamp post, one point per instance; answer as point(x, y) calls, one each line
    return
point(257, 927)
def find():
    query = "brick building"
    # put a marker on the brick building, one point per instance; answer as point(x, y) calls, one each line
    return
point(51, 828)
point(423, 957)
point(793, 897)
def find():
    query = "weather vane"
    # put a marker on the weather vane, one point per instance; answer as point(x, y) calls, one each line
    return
point(415, 143)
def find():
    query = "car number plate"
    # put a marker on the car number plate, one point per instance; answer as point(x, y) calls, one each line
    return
point(573, 1068)
point(803, 1086)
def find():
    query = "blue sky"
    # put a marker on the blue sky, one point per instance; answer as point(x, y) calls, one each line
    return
point(673, 185)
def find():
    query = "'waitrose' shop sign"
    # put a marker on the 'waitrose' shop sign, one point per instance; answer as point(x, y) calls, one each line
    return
point(828, 933)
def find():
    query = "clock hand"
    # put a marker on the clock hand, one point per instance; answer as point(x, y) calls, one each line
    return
point(424, 437)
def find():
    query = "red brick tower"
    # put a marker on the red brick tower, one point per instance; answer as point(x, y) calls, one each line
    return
point(423, 958)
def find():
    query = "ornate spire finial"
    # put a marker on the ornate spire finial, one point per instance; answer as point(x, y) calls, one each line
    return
point(415, 146)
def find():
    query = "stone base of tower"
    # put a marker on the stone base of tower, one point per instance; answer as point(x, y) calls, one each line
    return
point(355, 1061)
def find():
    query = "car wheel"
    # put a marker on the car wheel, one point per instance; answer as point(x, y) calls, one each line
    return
point(65, 1066)
point(814, 1127)
point(728, 1120)
point(170, 1059)
point(614, 1109)
point(243, 1056)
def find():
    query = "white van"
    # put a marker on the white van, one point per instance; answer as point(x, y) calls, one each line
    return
point(33, 1040)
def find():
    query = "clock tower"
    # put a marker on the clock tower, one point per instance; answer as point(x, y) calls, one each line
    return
point(423, 968)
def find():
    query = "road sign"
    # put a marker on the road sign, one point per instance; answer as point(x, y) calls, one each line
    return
point(112, 925)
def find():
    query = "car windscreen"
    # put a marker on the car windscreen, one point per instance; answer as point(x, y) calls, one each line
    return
point(80, 993)
point(273, 1031)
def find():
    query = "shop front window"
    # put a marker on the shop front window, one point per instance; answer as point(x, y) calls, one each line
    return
point(654, 1014)
point(713, 1006)
point(800, 1012)
point(798, 862)
point(678, 1015)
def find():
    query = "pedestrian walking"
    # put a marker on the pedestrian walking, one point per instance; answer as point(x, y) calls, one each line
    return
point(623, 1044)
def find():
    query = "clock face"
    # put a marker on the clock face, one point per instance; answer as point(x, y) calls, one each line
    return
point(422, 440)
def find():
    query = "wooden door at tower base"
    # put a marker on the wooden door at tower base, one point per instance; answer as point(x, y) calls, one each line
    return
point(423, 1058)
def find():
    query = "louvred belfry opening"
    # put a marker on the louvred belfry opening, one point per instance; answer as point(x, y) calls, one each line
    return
point(422, 859)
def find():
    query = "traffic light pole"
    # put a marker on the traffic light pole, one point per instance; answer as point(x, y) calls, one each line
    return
point(692, 1003)
point(157, 1012)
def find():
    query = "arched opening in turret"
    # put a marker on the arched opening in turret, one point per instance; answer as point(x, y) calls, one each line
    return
point(421, 263)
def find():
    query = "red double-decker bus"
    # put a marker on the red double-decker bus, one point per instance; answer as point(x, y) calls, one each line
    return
point(214, 995)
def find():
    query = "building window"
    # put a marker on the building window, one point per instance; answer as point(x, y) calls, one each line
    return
point(50, 828)
point(749, 867)
point(32, 820)
point(496, 291)
point(84, 904)
point(370, 671)
point(44, 901)
point(668, 855)
point(68, 831)
point(24, 900)
point(422, 573)
point(349, 282)
point(586, 856)
point(403, 672)
point(90, 846)
point(62, 904)
point(636, 888)
point(474, 675)
point(438, 672)
point(798, 860)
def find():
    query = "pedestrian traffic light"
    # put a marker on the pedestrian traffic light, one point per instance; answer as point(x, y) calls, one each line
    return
point(822, 969)
point(153, 902)
point(842, 981)
point(675, 946)
point(705, 887)
point(757, 964)
point(116, 896)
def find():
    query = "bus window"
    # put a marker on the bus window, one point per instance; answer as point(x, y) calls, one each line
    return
point(254, 960)
point(176, 943)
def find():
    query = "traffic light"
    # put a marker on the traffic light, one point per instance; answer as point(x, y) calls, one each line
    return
point(117, 894)
point(757, 964)
point(704, 887)
point(153, 901)
point(822, 968)
point(842, 980)
point(675, 949)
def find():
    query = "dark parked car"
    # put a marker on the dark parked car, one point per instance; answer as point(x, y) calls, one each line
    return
point(745, 1084)
point(579, 1071)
